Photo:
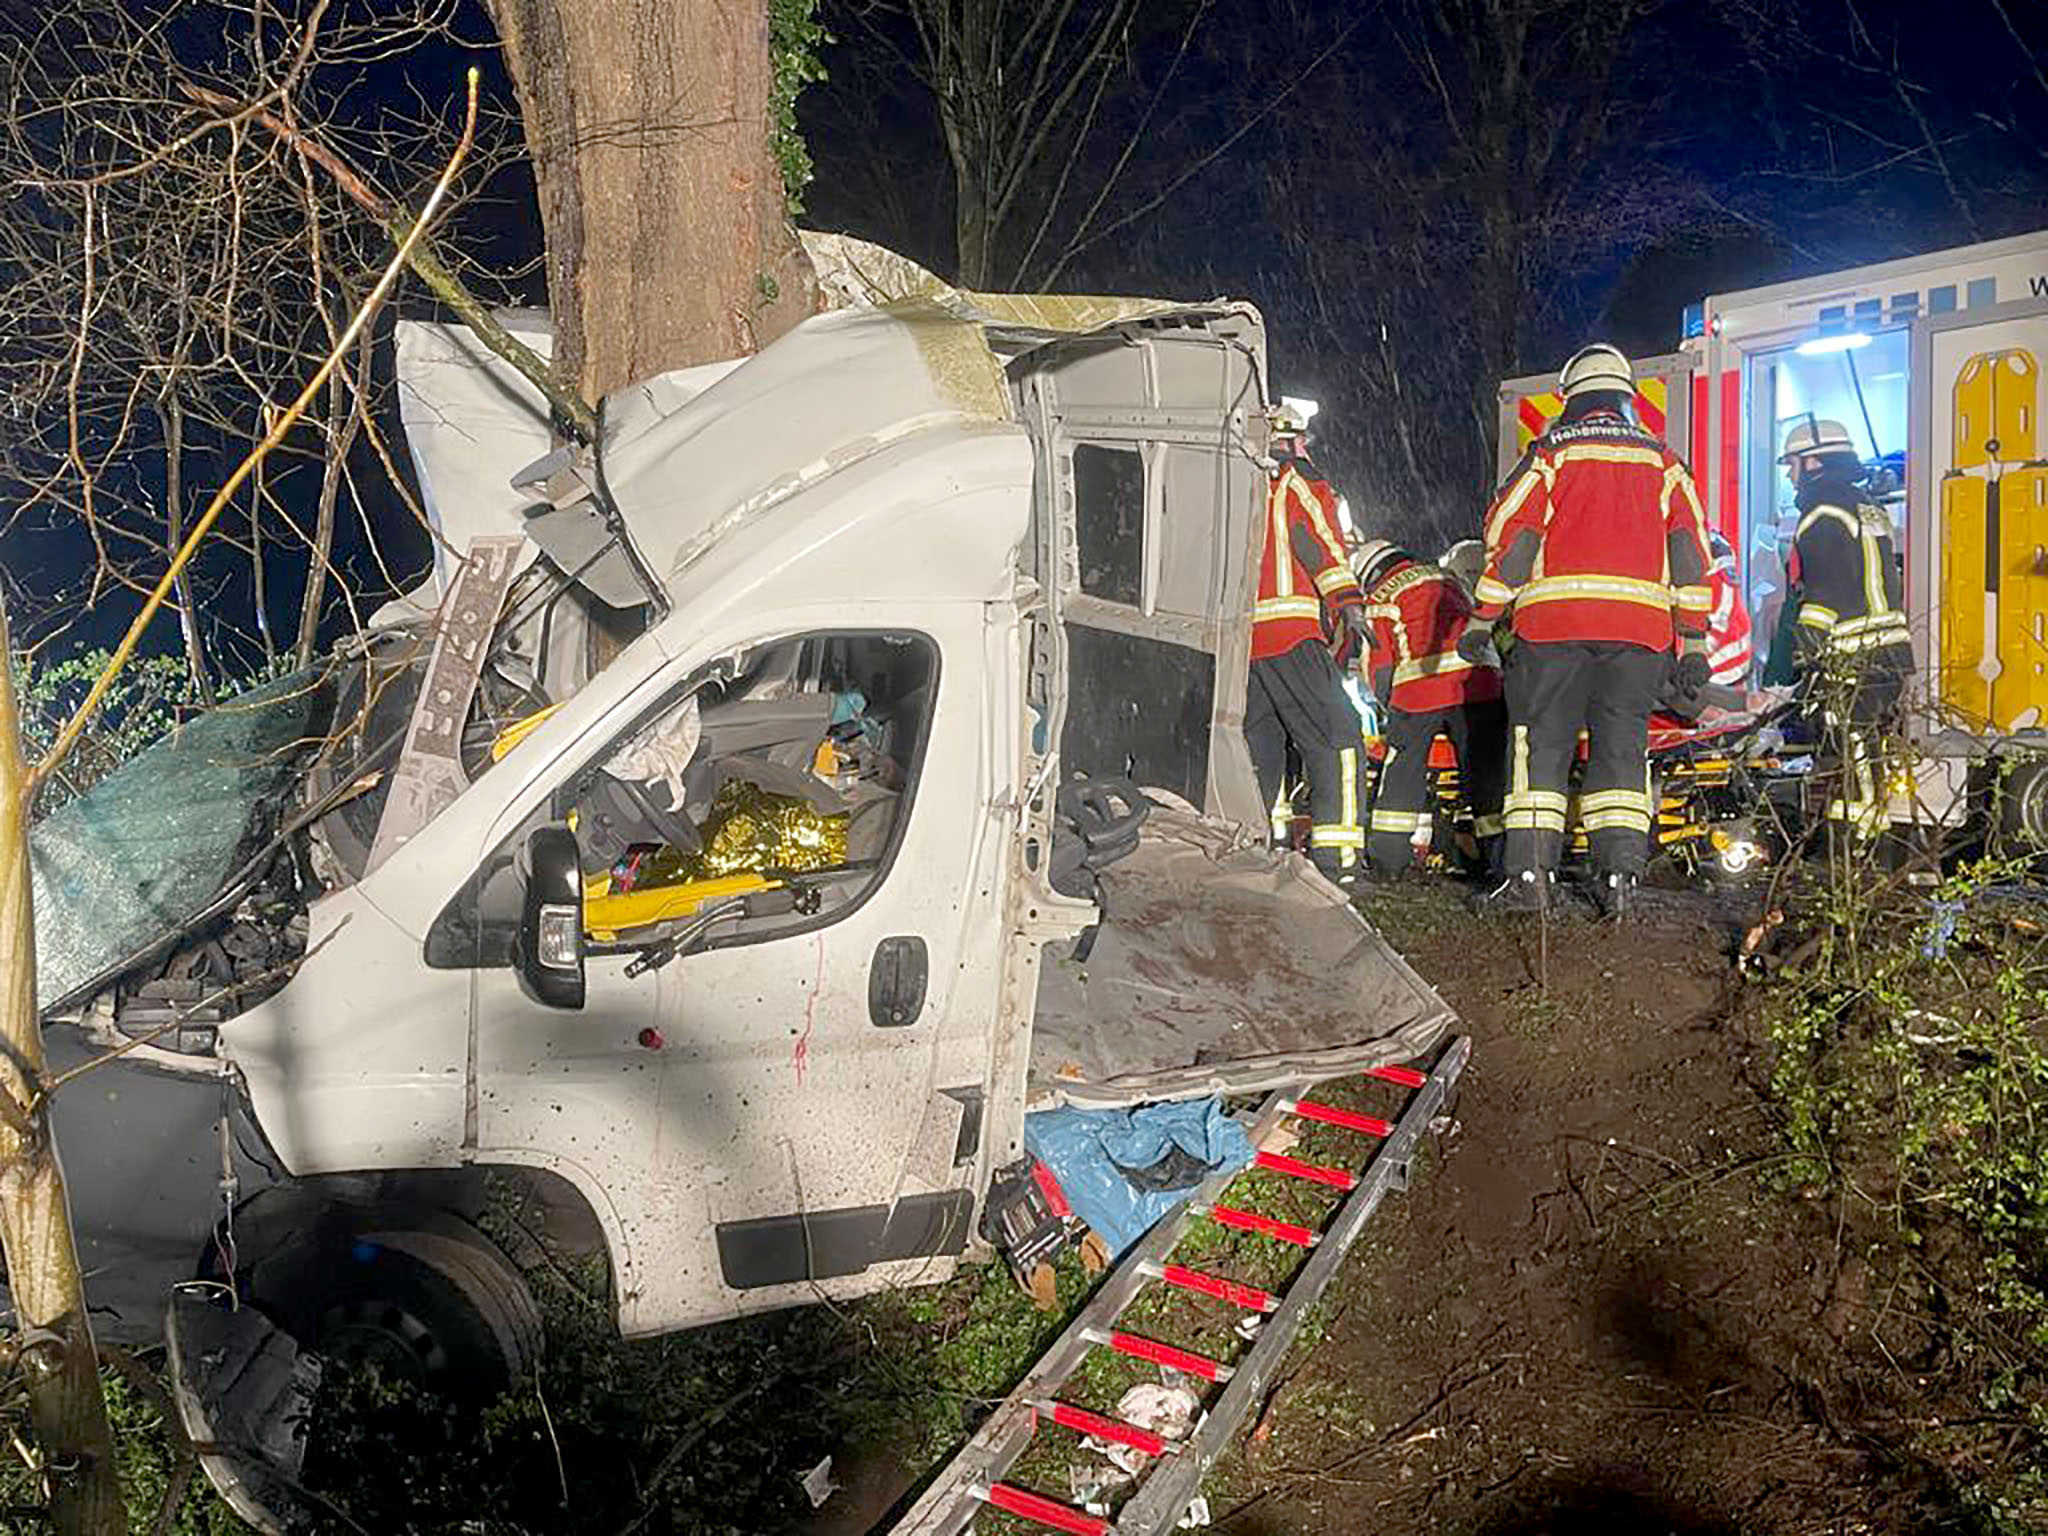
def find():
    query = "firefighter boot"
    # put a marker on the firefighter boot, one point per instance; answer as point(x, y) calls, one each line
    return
point(1614, 896)
point(1529, 891)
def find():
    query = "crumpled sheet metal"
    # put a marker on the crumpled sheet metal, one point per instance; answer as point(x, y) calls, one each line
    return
point(1222, 966)
point(853, 272)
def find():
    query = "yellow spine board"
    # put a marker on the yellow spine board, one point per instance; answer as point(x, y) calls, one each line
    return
point(1997, 424)
point(2023, 598)
point(2014, 401)
point(1973, 426)
point(1963, 690)
point(519, 730)
point(606, 916)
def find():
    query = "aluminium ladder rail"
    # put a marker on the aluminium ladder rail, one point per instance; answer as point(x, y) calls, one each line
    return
point(973, 1480)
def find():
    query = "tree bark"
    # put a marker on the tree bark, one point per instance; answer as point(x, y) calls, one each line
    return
point(35, 1218)
point(171, 415)
point(668, 239)
point(344, 420)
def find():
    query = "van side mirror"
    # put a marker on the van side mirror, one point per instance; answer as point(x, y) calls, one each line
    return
point(549, 958)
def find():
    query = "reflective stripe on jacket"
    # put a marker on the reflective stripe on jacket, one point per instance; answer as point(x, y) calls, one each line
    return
point(1415, 617)
point(1598, 536)
point(1851, 595)
point(1731, 652)
point(1302, 567)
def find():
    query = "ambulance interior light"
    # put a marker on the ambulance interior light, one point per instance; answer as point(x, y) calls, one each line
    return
point(1822, 346)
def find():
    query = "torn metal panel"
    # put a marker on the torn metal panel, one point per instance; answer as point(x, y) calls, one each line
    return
point(1221, 966)
point(244, 1393)
point(430, 773)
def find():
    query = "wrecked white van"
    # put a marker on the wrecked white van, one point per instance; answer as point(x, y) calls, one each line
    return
point(726, 848)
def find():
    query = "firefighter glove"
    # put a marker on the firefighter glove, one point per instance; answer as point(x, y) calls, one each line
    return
point(1476, 645)
point(1693, 673)
point(1349, 643)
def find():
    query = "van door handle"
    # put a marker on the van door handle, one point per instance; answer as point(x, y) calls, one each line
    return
point(897, 981)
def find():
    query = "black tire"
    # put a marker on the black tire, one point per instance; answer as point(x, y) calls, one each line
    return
point(420, 1294)
point(2023, 809)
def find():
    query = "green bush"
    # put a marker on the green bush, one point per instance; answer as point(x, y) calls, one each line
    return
point(1909, 1063)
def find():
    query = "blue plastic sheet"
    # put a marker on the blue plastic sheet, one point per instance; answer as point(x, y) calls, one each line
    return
point(1108, 1161)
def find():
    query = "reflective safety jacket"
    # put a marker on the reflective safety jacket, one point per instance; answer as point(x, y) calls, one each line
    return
point(1731, 652)
point(1851, 593)
point(1598, 536)
point(1303, 566)
point(1414, 619)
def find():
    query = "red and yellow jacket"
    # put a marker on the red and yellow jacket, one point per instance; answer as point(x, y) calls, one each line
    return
point(1415, 617)
point(1598, 536)
point(1730, 651)
point(1303, 566)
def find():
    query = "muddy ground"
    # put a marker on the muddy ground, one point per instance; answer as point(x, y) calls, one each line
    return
point(1600, 1310)
point(1604, 1307)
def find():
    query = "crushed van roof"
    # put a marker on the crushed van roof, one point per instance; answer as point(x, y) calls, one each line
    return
point(689, 455)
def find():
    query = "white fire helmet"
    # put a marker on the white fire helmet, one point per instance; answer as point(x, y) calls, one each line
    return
point(1370, 560)
point(1596, 368)
point(1815, 437)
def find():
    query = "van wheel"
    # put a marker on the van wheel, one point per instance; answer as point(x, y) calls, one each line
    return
point(2023, 808)
point(427, 1300)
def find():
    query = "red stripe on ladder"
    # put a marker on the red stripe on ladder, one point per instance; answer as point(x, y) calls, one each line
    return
point(1116, 1431)
point(1161, 1354)
point(1048, 1512)
point(1250, 1297)
point(1343, 1119)
point(1315, 1173)
point(1265, 1226)
point(1407, 1077)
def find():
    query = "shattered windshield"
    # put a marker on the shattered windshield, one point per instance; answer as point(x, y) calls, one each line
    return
point(144, 851)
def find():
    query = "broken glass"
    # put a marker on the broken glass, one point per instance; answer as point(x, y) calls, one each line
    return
point(142, 853)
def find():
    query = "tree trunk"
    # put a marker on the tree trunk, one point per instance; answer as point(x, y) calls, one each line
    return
point(35, 1217)
point(972, 236)
point(668, 237)
point(344, 420)
point(171, 415)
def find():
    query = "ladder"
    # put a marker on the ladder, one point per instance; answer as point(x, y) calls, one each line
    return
point(975, 1479)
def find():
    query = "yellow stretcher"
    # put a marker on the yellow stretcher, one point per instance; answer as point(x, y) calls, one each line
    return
point(1689, 814)
point(1993, 627)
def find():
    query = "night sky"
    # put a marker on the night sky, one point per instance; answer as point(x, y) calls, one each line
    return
point(1738, 142)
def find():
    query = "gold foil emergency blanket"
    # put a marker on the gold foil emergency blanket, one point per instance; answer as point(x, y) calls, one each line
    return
point(750, 830)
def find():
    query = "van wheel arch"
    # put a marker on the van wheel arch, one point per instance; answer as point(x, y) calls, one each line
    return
point(393, 1269)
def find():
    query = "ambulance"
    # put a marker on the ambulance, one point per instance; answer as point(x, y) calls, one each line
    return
point(1934, 364)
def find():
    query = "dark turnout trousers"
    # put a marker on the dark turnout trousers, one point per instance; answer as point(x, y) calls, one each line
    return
point(1401, 805)
point(1855, 708)
point(1298, 699)
point(1556, 690)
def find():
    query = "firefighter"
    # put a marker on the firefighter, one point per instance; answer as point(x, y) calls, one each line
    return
point(1598, 542)
point(1731, 654)
point(1295, 696)
point(1854, 653)
point(1416, 614)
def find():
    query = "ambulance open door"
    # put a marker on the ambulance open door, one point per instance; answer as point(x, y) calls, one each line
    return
point(1977, 581)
